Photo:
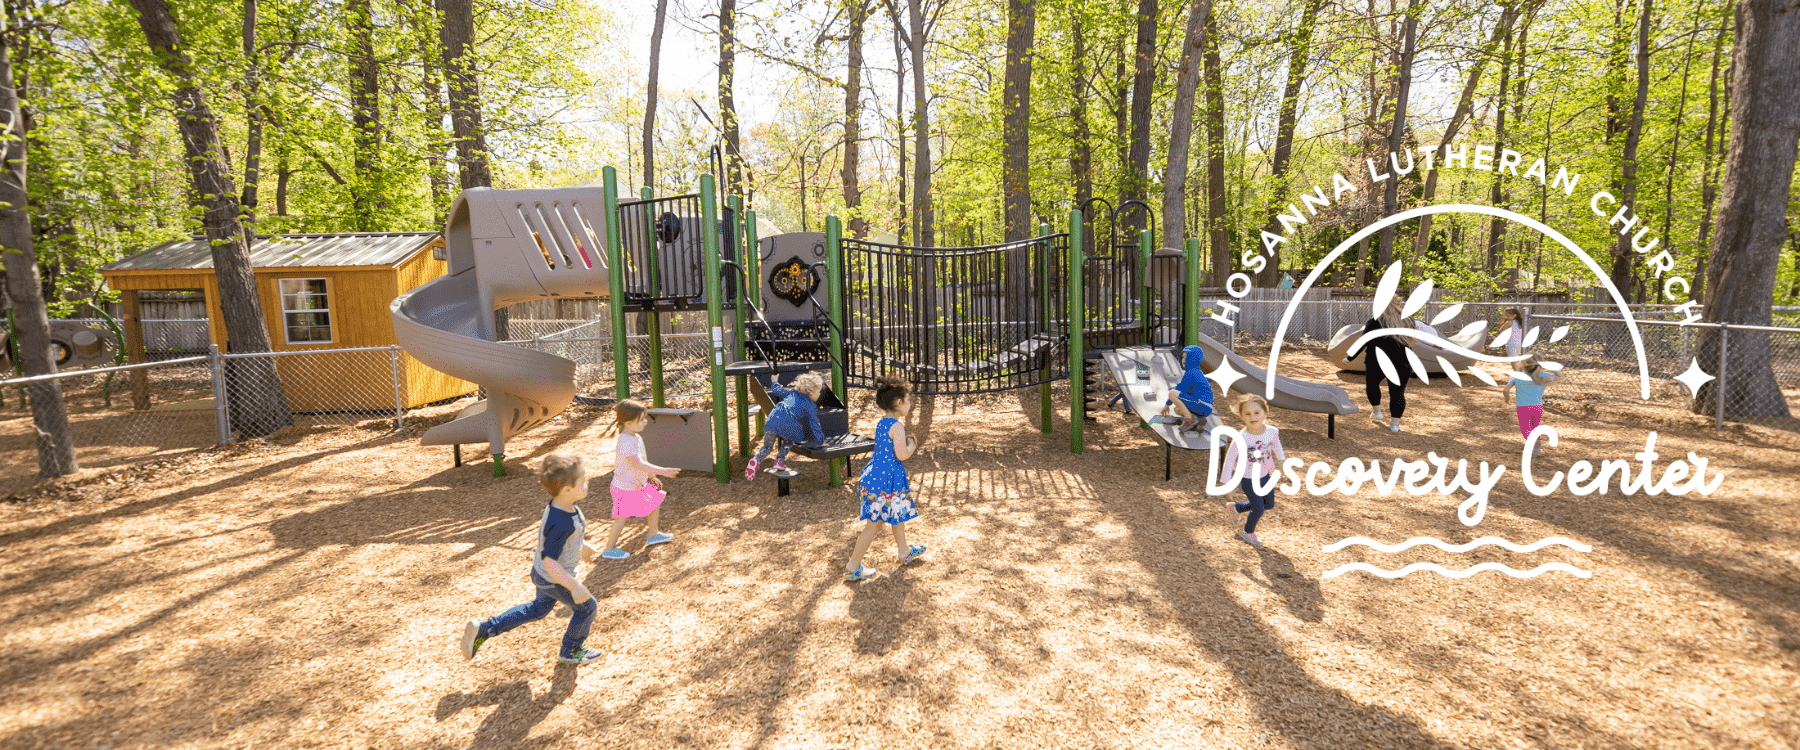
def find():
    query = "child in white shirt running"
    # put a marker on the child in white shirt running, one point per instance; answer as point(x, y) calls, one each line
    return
point(1264, 454)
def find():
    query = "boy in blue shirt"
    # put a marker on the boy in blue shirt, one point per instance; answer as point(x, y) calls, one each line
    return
point(1192, 397)
point(559, 549)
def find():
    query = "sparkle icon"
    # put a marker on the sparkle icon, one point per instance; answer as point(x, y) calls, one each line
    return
point(1694, 377)
point(1225, 376)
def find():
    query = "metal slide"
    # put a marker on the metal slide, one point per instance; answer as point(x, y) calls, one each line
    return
point(504, 246)
point(1145, 376)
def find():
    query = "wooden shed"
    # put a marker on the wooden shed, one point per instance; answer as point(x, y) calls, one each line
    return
point(318, 292)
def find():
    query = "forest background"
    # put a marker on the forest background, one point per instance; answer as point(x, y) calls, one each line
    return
point(337, 116)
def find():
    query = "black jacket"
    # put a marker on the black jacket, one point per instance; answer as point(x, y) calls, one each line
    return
point(1392, 346)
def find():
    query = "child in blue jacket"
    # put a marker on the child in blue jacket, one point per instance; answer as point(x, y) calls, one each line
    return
point(1192, 398)
point(794, 420)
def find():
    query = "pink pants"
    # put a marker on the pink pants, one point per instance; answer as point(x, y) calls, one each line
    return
point(1529, 418)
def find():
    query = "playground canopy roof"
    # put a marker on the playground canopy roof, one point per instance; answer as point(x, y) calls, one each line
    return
point(285, 251)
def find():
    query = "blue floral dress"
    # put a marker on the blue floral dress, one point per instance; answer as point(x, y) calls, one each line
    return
point(886, 495)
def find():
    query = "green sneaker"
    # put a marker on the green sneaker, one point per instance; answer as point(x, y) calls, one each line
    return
point(472, 639)
point(581, 656)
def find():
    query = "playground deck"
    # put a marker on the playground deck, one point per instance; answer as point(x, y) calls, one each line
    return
point(287, 593)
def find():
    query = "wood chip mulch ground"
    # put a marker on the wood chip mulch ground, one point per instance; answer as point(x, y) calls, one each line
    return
point(307, 590)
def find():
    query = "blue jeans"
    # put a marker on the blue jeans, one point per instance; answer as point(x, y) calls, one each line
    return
point(1256, 505)
point(548, 594)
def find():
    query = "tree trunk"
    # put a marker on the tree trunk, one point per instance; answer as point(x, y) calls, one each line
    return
point(1624, 257)
point(1143, 84)
point(1015, 177)
point(900, 127)
point(652, 92)
point(1759, 170)
point(257, 405)
point(734, 159)
point(1181, 125)
point(365, 107)
point(1284, 131)
point(49, 415)
point(282, 173)
point(1464, 107)
point(1709, 187)
point(457, 35)
point(253, 124)
point(1215, 154)
point(1687, 64)
point(1496, 245)
point(1390, 196)
point(922, 214)
point(432, 90)
point(1081, 154)
point(859, 226)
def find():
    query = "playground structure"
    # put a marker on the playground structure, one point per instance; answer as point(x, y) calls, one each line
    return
point(949, 320)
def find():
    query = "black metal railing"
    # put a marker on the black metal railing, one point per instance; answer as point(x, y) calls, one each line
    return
point(663, 241)
point(956, 320)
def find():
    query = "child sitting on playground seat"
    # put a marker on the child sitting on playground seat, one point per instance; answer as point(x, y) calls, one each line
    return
point(1192, 397)
point(794, 420)
point(559, 546)
point(636, 490)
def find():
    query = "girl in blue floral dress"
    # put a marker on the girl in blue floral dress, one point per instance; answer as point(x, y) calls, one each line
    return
point(885, 493)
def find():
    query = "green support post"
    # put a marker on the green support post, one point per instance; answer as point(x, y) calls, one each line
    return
point(1077, 339)
point(834, 274)
point(655, 318)
point(715, 322)
point(615, 282)
point(1190, 292)
point(737, 340)
point(1044, 274)
point(752, 281)
point(1145, 283)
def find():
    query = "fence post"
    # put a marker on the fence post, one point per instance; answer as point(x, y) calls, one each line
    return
point(1724, 341)
point(399, 387)
point(1045, 263)
point(221, 415)
point(1077, 342)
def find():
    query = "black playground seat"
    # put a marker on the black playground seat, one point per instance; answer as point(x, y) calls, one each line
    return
point(834, 416)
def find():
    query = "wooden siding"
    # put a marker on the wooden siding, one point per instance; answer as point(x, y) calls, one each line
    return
point(424, 385)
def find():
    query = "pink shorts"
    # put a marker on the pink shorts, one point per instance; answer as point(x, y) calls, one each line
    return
point(636, 503)
point(1529, 418)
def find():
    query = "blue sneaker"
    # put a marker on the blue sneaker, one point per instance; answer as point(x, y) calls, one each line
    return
point(656, 539)
point(615, 554)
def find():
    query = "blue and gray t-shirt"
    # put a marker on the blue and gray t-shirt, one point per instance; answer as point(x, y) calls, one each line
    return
point(559, 539)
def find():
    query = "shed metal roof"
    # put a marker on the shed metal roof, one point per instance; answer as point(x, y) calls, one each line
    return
point(284, 251)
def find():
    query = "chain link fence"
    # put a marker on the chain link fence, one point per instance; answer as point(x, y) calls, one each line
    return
point(1728, 373)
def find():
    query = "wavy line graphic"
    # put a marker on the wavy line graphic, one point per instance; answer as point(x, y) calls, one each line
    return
point(1441, 570)
point(1447, 547)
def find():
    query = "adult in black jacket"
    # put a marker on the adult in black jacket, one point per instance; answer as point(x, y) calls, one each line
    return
point(1394, 348)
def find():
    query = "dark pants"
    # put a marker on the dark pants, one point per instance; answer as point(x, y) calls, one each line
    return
point(548, 594)
point(1396, 392)
point(1256, 505)
point(777, 443)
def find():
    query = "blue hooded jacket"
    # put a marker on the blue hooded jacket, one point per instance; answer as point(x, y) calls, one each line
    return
point(1196, 393)
point(795, 418)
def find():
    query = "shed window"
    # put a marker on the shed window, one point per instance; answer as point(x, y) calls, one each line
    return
point(306, 311)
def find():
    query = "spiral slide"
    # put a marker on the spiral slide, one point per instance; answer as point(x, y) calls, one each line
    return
point(504, 246)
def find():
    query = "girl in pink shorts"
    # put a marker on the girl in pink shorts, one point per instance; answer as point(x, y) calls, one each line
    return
point(636, 490)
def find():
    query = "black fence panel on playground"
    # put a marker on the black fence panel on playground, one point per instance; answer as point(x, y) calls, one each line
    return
point(663, 241)
point(957, 320)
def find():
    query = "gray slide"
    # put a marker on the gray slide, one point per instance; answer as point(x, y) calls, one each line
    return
point(1145, 376)
point(504, 246)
